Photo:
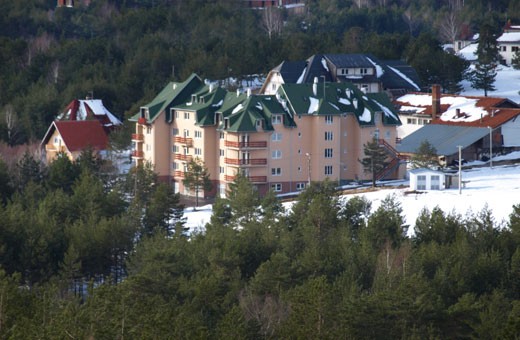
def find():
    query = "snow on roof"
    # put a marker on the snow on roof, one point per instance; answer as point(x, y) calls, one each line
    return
point(416, 109)
point(79, 110)
point(469, 52)
point(402, 75)
point(509, 37)
point(314, 104)
point(237, 108)
point(386, 110)
point(366, 116)
point(300, 78)
point(462, 110)
point(324, 63)
point(379, 69)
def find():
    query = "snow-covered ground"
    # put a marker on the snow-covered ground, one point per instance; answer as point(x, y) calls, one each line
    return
point(498, 188)
point(507, 85)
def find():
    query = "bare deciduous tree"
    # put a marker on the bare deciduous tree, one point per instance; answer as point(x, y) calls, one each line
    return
point(272, 21)
point(11, 123)
point(449, 28)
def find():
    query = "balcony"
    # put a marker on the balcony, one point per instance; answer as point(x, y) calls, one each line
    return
point(178, 173)
point(246, 162)
point(184, 140)
point(183, 157)
point(137, 154)
point(252, 179)
point(137, 137)
point(246, 145)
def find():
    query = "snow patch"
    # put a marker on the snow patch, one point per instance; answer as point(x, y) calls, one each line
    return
point(314, 105)
point(344, 101)
point(324, 64)
point(237, 108)
point(366, 116)
point(379, 69)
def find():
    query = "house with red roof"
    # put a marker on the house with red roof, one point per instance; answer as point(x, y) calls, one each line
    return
point(82, 124)
point(72, 137)
point(480, 125)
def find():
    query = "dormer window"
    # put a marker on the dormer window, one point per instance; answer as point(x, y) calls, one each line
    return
point(193, 98)
point(259, 123)
point(226, 123)
point(145, 113)
point(276, 119)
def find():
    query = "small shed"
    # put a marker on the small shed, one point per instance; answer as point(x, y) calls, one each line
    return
point(427, 179)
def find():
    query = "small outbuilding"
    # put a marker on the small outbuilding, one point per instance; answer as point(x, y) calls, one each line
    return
point(427, 179)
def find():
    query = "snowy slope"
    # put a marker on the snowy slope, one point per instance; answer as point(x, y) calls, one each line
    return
point(507, 85)
point(497, 188)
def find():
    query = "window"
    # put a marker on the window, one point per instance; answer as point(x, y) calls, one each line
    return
point(186, 133)
point(175, 149)
point(186, 115)
point(198, 151)
point(221, 152)
point(276, 154)
point(148, 148)
point(273, 86)
point(56, 140)
point(515, 48)
point(328, 169)
point(329, 135)
point(300, 186)
point(329, 120)
point(276, 137)
point(299, 135)
point(198, 134)
point(148, 130)
point(276, 187)
point(221, 169)
point(175, 131)
point(221, 135)
point(276, 119)
point(276, 171)
point(299, 169)
point(504, 48)
point(175, 166)
point(436, 180)
point(176, 114)
point(328, 153)
point(299, 151)
point(363, 71)
point(421, 182)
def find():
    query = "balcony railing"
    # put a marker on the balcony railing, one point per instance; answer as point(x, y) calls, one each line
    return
point(252, 179)
point(250, 161)
point(139, 137)
point(184, 140)
point(246, 145)
point(178, 173)
point(137, 154)
point(183, 157)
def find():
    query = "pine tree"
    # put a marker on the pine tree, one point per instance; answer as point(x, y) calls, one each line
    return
point(425, 156)
point(374, 160)
point(516, 60)
point(197, 178)
point(488, 57)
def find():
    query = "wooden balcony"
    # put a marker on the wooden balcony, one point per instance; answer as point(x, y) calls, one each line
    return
point(137, 154)
point(179, 173)
point(184, 140)
point(183, 157)
point(137, 137)
point(246, 162)
point(246, 145)
point(252, 179)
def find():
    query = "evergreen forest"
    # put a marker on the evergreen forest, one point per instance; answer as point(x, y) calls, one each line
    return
point(85, 254)
point(124, 51)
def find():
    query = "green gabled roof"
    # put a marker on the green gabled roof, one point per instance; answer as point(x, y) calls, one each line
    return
point(242, 112)
point(383, 104)
point(205, 105)
point(171, 95)
point(337, 99)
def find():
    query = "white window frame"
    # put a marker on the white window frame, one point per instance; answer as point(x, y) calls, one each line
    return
point(276, 171)
point(276, 154)
point(276, 187)
point(276, 137)
point(328, 152)
point(276, 119)
point(329, 120)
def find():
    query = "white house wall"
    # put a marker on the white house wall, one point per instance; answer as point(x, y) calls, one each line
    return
point(511, 133)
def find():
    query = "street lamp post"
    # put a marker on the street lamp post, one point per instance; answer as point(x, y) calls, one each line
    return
point(460, 168)
point(308, 168)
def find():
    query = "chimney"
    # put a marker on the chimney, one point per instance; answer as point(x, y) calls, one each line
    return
point(436, 100)
point(315, 86)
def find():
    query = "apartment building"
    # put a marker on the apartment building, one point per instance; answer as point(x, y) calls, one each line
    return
point(281, 142)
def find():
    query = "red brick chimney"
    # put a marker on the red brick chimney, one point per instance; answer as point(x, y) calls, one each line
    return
point(436, 100)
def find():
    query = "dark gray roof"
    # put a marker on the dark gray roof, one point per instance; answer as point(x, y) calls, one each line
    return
point(315, 69)
point(445, 138)
point(291, 70)
point(349, 60)
point(392, 80)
